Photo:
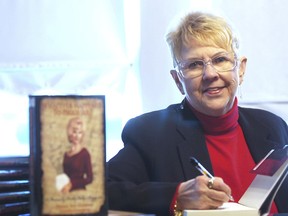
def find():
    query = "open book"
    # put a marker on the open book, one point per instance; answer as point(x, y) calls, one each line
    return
point(257, 199)
point(227, 209)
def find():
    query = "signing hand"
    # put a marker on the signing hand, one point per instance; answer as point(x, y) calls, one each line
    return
point(195, 193)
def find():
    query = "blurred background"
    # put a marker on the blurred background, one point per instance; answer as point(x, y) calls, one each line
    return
point(117, 48)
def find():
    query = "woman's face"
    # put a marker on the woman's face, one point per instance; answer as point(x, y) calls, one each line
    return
point(75, 133)
point(211, 93)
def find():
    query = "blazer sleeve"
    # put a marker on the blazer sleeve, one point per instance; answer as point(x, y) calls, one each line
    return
point(132, 185)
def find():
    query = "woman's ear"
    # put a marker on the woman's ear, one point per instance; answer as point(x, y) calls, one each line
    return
point(176, 79)
point(242, 69)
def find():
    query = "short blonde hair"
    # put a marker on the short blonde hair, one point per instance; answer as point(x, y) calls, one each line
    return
point(205, 29)
point(74, 122)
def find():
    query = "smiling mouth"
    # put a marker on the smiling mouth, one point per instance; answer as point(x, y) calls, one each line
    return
point(215, 90)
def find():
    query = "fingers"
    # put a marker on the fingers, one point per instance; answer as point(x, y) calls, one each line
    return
point(215, 191)
point(223, 190)
point(203, 193)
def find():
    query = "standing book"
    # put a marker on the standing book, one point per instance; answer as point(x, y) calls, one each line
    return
point(257, 199)
point(67, 155)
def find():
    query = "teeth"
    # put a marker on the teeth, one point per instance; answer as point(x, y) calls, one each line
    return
point(211, 90)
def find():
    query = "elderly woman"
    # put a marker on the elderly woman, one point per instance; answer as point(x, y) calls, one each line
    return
point(153, 174)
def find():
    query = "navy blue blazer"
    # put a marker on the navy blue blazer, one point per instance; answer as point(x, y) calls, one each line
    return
point(144, 175)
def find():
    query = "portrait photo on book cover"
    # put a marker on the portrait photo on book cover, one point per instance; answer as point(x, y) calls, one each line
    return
point(72, 140)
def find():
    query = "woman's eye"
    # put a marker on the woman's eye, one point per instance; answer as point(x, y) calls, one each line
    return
point(219, 60)
point(195, 64)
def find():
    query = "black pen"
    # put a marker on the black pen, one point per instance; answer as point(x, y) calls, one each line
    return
point(204, 171)
point(201, 169)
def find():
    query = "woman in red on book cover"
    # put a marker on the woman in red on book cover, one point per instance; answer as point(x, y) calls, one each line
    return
point(77, 161)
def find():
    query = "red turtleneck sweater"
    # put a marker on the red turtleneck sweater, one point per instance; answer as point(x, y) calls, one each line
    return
point(228, 150)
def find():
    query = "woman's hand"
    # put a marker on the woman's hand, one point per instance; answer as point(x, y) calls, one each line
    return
point(195, 193)
point(66, 189)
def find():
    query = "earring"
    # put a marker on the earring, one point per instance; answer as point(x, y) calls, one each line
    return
point(240, 92)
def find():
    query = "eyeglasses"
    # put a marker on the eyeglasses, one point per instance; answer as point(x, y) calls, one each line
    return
point(192, 68)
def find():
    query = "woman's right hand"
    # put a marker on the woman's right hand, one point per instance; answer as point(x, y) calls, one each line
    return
point(195, 193)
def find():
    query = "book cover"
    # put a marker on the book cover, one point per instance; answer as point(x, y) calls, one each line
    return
point(67, 155)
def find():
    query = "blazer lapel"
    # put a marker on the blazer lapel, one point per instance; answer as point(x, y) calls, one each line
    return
point(193, 144)
point(257, 137)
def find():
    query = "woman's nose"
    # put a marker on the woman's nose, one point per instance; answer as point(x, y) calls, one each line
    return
point(209, 72)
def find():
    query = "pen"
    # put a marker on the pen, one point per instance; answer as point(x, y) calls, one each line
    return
point(204, 171)
point(201, 169)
